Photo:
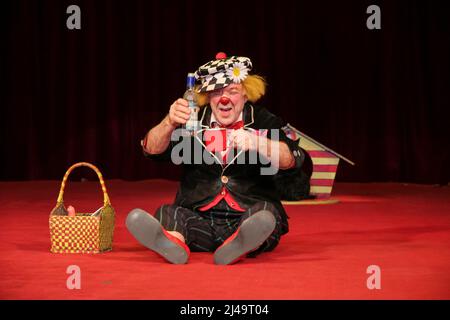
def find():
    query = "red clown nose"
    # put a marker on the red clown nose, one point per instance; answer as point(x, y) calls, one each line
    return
point(224, 101)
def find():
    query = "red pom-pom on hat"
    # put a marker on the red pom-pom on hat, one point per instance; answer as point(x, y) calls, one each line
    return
point(221, 55)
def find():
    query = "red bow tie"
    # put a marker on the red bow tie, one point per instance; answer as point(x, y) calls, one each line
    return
point(216, 140)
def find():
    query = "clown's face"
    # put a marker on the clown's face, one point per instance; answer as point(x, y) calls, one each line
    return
point(227, 103)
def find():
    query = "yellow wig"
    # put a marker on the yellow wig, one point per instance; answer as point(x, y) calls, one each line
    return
point(254, 86)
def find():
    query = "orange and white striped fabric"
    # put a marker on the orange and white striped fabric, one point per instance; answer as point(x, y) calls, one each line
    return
point(325, 162)
point(325, 165)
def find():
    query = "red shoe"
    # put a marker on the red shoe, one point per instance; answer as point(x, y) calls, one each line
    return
point(149, 232)
point(247, 238)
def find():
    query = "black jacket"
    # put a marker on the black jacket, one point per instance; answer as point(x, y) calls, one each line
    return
point(201, 182)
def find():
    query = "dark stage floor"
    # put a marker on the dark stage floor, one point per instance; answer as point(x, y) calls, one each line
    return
point(403, 229)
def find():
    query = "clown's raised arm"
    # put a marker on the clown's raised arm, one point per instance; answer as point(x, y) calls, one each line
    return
point(157, 139)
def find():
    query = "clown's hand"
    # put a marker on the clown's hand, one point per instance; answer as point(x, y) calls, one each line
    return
point(244, 140)
point(179, 113)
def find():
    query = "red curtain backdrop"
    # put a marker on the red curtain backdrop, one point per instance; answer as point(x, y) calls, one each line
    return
point(378, 97)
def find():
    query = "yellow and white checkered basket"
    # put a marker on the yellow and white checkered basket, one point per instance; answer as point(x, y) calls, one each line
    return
point(82, 233)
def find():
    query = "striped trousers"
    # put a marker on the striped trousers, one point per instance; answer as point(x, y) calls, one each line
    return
point(206, 231)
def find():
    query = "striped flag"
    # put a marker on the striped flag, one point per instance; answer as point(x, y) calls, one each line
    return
point(325, 162)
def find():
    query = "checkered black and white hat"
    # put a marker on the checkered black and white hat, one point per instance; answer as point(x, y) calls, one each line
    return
point(222, 71)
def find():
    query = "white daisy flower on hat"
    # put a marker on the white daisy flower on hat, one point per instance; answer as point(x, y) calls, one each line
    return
point(238, 72)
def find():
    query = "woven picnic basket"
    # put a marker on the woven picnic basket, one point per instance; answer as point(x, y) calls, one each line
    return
point(84, 232)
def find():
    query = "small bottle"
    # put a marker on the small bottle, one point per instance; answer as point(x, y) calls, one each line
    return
point(192, 124)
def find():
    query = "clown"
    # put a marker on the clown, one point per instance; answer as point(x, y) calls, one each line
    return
point(226, 207)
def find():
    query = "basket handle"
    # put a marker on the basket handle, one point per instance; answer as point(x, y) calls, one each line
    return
point(100, 177)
